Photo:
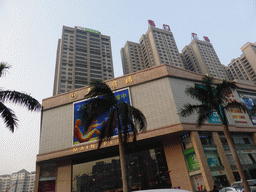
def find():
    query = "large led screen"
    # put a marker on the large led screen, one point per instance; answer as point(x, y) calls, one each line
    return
point(95, 128)
point(248, 100)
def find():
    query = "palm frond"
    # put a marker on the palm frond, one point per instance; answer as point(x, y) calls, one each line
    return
point(4, 68)
point(109, 127)
point(20, 98)
point(8, 116)
point(224, 89)
point(202, 116)
point(98, 89)
point(189, 109)
point(236, 105)
point(201, 93)
point(94, 109)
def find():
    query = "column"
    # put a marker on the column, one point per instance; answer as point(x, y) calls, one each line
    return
point(223, 157)
point(37, 177)
point(205, 170)
point(63, 180)
point(254, 137)
point(176, 164)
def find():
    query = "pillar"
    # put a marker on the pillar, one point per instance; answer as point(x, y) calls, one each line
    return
point(223, 157)
point(176, 164)
point(205, 170)
point(63, 180)
point(37, 177)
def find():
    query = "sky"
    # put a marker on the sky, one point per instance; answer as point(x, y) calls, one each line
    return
point(30, 30)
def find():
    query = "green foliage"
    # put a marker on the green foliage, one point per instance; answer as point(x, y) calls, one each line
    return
point(213, 98)
point(105, 101)
point(15, 97)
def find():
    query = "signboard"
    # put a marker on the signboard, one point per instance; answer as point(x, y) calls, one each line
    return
point(95, 128)
point(237, 114)
point(194, 36)
point(151, 23)
point(89, 30)
point(198, 183)
point(191, 159)
point(248, 99)
point(206, 39)
point(166, 27)
point(212, 158)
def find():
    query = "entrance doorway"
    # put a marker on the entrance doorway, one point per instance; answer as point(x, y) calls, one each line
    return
point(46, 186)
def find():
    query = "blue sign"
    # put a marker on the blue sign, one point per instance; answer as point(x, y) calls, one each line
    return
point(248, 99)
point(95, 128)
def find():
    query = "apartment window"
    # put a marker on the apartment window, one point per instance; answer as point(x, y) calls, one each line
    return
point(68, 31)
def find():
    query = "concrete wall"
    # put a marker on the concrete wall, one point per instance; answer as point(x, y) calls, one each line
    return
point(56, 130)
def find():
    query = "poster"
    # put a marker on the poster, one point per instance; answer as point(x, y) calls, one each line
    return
point(198, 183)
point(96, 126)
point(191, 159)
point(248, 99)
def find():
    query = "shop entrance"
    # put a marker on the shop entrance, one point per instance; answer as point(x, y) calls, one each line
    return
point(146, 170)
point(46, 186)
point(253, 173)
point(221, 181)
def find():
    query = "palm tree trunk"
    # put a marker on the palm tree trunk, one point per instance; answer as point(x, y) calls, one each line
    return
point(122, 158)
point(231, 144)
point(236, 158)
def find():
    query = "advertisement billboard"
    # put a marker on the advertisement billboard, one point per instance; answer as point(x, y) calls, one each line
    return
point(248, 99)
point(95, 128)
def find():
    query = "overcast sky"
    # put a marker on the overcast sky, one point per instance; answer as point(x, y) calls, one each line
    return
point(30, 30)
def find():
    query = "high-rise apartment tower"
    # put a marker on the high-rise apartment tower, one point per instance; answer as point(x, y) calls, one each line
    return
point(83, 54)
point(200, 57)
point(244, 67)
point(155, 47)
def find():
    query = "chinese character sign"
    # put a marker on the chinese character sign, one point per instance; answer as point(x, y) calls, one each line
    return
point(95, 128)
point(151, 23)
point(194, 35)
point(207, 39)
point(166, 27)
point(237, 114)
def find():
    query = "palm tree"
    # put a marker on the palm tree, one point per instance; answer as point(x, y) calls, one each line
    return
point(23, 99)
point(121, 115)
point(213, 99)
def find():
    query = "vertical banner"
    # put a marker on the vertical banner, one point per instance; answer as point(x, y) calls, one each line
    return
point(95, 128)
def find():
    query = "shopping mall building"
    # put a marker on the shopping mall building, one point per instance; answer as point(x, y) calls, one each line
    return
point(173, 152)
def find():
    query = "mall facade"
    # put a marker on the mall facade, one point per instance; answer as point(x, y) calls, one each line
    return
point(172, 153)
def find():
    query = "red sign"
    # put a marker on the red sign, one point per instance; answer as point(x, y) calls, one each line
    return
point(151, 23)
point(166, 27)
point(194, 35)
point(207, 39)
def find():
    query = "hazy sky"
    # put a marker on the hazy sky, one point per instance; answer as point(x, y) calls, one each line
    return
point(30, 30)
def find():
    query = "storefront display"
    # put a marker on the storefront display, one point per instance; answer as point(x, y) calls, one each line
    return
point(146, 170)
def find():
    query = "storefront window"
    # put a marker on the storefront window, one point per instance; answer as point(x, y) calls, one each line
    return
point(146, 170)
point(246, 151)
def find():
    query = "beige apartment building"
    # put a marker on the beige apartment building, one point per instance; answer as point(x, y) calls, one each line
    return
point(172, 153)
point(83, 54)
point(21, 181)
point(200, 56)
point(155, 47)
point(244, 67)
point(131, 56)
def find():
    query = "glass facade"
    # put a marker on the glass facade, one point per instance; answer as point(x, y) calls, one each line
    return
point(245, 147)
point(146, 170)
